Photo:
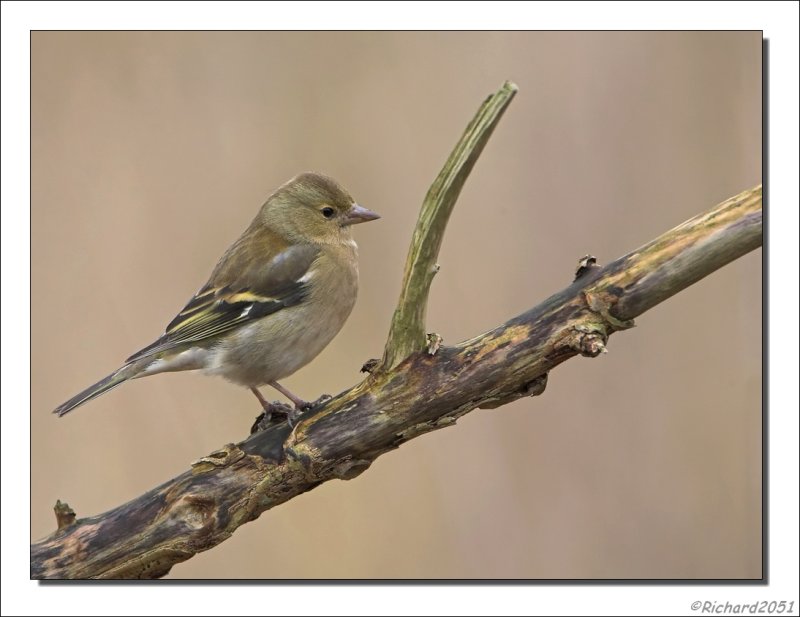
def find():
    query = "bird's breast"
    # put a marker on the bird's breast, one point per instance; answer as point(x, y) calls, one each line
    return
point(279, 344)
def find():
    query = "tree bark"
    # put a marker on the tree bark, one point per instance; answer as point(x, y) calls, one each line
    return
point(417, 387)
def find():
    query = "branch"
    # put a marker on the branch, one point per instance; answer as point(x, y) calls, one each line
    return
point(407, 332)
point(424, 391)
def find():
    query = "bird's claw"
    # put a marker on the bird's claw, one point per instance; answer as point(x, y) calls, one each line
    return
point(294, 415)
point(261, 422)
point(321, 401)
point(271, 415)
point(276, 412)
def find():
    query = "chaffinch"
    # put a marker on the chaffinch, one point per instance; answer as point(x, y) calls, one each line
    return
point(274, 301)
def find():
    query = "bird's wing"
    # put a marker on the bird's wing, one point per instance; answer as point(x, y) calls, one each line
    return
point(229, 302)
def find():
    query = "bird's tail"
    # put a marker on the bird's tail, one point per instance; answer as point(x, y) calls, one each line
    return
point(101, 387)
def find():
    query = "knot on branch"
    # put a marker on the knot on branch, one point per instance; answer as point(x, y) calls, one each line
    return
point(586, 339)
point(585, 264)
point(226, 455)
point(349, 468)
point(434, 342)
point(65, 516)
point(314, 469)
point(601, 304)
point(370, 365)
point(531, 388)
point(195, 511)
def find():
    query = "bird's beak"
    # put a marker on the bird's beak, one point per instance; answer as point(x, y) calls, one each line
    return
point(359, 214)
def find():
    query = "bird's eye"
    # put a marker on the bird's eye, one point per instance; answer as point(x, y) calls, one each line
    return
point(327, 212)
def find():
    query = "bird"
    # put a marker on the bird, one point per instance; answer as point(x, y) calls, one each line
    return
point(276, 298)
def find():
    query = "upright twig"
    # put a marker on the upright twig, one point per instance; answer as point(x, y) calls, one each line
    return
point(407, 332)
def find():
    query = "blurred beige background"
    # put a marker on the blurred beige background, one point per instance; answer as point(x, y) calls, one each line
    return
point(151, 152)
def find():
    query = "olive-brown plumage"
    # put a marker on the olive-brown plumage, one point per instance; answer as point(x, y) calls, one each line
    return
point(275, 299)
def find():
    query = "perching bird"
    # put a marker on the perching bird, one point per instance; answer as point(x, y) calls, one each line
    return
point(275, 299)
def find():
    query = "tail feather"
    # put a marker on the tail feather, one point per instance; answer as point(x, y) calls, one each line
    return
point(101, 387)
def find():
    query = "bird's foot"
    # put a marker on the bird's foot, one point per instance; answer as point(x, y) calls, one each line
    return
point(294, 414)
point(277, 412)
point(273, 413)
point(320, 401)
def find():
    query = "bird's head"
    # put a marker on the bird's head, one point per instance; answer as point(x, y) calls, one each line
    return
point(313, 208)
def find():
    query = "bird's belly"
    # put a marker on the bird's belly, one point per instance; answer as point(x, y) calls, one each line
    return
point(264, 352)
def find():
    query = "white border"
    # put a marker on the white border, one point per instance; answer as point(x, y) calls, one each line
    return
point(21, 596)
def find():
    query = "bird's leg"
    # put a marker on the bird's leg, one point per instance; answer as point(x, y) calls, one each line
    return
point(269, 409)
point(265, 404)
point(298, 402)
point(278, 408)
point(264, 417)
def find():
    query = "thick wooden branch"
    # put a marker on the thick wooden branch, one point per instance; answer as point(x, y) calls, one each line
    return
point(422, 392)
